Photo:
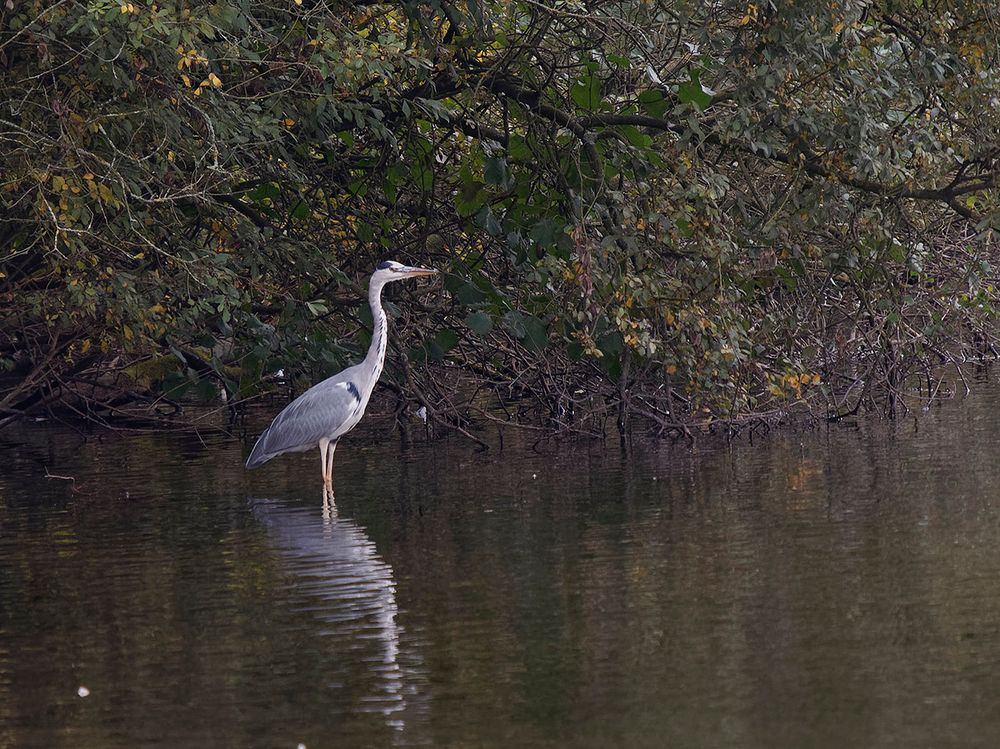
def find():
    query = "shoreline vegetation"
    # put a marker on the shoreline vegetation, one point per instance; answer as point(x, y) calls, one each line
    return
point(676, 217)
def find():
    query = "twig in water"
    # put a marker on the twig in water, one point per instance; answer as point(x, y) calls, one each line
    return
point(57, 476)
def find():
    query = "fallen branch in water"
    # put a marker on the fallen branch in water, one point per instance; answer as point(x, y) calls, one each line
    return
point(57, 476)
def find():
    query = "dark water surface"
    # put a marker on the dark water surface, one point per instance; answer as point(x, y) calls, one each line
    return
point(832, 588)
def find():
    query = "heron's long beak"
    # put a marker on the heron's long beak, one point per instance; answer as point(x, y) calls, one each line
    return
point(411, 270)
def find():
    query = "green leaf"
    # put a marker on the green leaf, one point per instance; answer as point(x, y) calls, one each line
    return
point(518, 149)
point(528, 329)
point(495, 171)
point(586, 92)
point(611, 343)
point(513, 321)
point(692, 91)
point(465, 292)
point(536, 334)
point(366, 232)
point(470, 198)
point(488, 221)
point(635, 136)
point(787, 278)
point(317, 308)
point(446, 339)
point(479, 322)
point(175, 384)
point(263, 192)
point(435, 349)
point(546, 232)
point(653, 103)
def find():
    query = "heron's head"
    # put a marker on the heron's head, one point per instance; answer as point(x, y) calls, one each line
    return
point(390, 270)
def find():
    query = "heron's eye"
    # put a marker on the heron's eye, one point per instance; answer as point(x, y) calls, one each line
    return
point(384, 265)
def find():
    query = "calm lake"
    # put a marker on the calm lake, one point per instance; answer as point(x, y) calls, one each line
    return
point(833, 587)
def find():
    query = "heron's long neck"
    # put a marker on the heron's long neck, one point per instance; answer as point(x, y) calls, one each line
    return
point(376, 351)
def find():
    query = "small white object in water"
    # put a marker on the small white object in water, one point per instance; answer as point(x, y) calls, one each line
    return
point(422, 413)
point(654, 478)
point(302, 746)
point(83, 691)
point(534, 475)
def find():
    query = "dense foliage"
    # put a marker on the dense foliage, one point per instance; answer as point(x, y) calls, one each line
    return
point(672, 208)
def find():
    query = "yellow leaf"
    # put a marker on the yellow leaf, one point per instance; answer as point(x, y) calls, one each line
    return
point(216, 81)
point(289, 122)
point(186, 79)
point(85, 346)
point(838, 27)
point(157, 309)
point(127, 331)
point(88, 176)
point(671, 369)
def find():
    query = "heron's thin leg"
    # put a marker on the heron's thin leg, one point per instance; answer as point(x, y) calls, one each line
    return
point(329, 463)
point(323, 445)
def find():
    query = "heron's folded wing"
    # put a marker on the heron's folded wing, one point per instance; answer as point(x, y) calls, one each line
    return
point(317, 413)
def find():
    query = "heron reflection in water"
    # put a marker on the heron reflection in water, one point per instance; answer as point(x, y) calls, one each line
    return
point(328, 410)
point(349, 587)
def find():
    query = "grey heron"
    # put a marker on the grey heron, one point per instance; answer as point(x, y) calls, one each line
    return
point(331, 408)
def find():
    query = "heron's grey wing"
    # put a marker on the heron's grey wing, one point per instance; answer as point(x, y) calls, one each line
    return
point(317, 413)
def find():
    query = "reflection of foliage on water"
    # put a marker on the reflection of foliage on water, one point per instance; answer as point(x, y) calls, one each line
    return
point(678, 210)
point(580, 597)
